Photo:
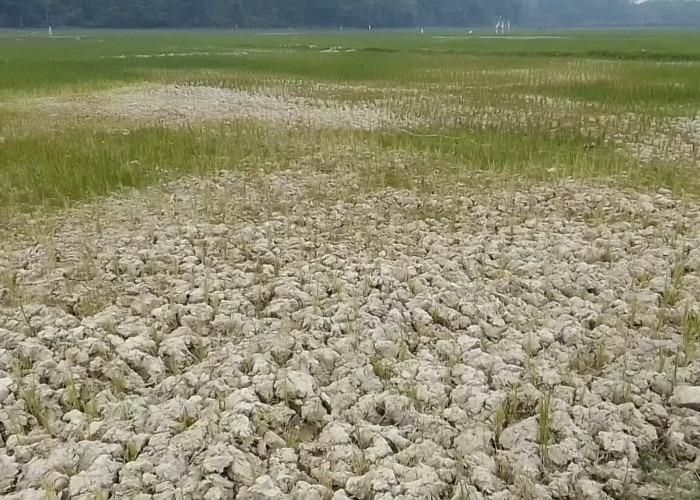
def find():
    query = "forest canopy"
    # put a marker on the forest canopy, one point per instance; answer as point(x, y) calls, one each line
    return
point(349, 13)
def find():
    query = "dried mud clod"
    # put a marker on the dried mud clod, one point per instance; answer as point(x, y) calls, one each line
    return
point(251, 335)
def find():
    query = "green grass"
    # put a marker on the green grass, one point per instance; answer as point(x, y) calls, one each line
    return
point(614, 44)
point(538, 157)
point(635, 85)
point(33, 61)
point(80, 163)
point(471, 98)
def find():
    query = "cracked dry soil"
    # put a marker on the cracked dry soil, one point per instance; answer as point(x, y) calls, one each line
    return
point(178, 105)
point(238, 338)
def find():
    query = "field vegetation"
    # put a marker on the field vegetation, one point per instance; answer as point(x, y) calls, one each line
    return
point(581, 104)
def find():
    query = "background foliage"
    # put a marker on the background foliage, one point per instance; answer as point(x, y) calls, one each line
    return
point(350, 13)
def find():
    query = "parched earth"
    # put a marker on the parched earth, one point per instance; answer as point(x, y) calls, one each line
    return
point(177, 105)
point(251, 336)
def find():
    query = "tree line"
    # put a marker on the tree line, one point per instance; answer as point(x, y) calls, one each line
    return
point(335, 13)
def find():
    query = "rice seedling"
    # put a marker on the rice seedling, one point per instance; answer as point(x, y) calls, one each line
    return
point(157, 339)
point(292, 438)
point(504, 470)
point(544, 425)
point(669, 295)
point(185, 420)
point(381, 368)
point(49, 489)
point(600, 357)
point(499, 421)
point(131, 451)
point(413, 394)
point(360, 464)
point(36, 407)
point(690, 330)
point(677, 273)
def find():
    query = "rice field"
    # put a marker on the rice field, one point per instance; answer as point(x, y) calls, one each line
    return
point(583, 104)
point(350, 264)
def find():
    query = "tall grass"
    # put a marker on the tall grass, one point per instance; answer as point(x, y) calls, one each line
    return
point(77, 164)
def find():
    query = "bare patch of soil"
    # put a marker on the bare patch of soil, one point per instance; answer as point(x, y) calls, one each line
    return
point(187, 104)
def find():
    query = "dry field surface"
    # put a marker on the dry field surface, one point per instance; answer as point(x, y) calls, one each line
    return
point(312, 289)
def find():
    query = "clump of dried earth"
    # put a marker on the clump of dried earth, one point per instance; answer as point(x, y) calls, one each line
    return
point(177, 104)
point(245, 336)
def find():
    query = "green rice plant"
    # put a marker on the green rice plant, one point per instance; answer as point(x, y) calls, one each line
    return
point(360, 464)
point(50, 490)
point(13, 293)
point(88, 401)
point(669, 295)
point(20, 366)
point(642, 279)
point(35, 406)
point(677, 273)
point(662, 360)
point(690, 329)
point(544, 425)
point(119, 383)
point(475, 124)
point(601, 357)
point(72, 393)
point(499, 421)
point(200, 350)
point(185, 420)
point(674, 374)
point(413, 396)
point(292, 438)
point(381, 368)
point(131, 451)
point(157, 339)
point(526, 488)
point(504, 470)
